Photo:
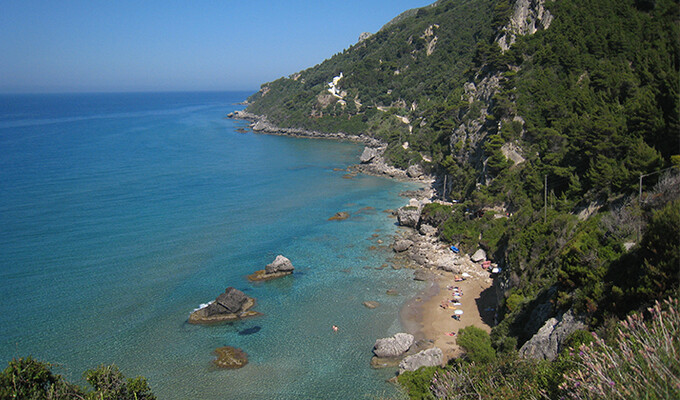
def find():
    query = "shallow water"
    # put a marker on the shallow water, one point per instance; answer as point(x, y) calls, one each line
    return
point(121, 213)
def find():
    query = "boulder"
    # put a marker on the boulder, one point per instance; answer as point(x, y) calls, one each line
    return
point(427, 230)
point(394, 346)
point(368, 155)
point(479, 256)
point(425, 358)
point(280, 264)
point(547, 343)
point(230, 357)
point(408, 216)
point(414, 171)
point(402, 245)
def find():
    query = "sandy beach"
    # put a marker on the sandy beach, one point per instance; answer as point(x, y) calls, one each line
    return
point(425, 317)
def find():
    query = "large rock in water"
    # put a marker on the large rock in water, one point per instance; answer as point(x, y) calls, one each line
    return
point(394, 346)
point(408, 216)
point(280, 264)
point(547, 343)
point(231, 305)
point(426, 358)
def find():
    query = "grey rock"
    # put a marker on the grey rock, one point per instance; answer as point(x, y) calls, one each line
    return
point(427, 230)
point(402, 245)
point(394, 346)
point(364, 36)
point(414, 171)
point(479, 256)
point(232, 300)
point(280, 264)
point(425, 358)
point(368, 155)
point(547, 343)
point(408, 216)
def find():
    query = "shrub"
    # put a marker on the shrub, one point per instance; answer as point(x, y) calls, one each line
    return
point(477, 344)
point(643, 364)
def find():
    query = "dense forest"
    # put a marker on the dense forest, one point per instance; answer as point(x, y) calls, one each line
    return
point(569, 132)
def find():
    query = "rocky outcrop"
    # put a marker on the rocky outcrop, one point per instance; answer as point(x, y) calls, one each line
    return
point(408, 216)
point(231, 305)
point(528, 16)
point(426, 358)
point(230, 358)
point(414, 171)
point(394, 346)
point(547, 343)
point(368, 155)
point(281, 266)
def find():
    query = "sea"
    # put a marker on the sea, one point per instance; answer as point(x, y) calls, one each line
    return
point(122, 213)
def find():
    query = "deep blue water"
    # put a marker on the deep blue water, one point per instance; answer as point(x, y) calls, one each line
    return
point(121, 213)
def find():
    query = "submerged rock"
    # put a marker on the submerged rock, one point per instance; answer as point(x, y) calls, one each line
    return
point(230, 357)
point(371, 304)
point(231, 305)
point(339, 216)
point(394, 346)
point(426, 358)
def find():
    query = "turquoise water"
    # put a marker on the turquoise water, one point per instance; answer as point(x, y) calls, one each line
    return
point(121, 213)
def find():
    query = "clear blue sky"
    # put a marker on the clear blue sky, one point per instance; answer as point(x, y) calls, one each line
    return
point(150, 45)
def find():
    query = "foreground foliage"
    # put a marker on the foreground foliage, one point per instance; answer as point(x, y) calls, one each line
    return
point(28, 378)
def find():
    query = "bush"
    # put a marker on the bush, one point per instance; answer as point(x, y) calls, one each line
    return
point(417, 383)
point(477, 344)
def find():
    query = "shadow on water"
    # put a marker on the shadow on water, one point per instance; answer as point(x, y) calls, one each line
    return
point(250, 331)
point(486, 304)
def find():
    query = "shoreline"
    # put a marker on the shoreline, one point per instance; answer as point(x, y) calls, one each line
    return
point(422, 314)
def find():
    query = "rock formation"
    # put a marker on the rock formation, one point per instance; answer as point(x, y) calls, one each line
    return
point(425, 358)
point(394, 346)
point(281, 266)
point(402, 245)
point(231, 305)
point(230, 358)
point(408, 216)
point(547, 343)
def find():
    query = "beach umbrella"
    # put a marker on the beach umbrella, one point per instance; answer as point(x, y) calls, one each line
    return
point(458, 312)
point(466, 275)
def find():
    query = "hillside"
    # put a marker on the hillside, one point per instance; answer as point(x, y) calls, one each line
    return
point(555, 128)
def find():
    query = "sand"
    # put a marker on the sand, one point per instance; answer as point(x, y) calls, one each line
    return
point(427, 320)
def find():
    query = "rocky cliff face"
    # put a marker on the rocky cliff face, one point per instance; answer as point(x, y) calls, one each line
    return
point(528, 16)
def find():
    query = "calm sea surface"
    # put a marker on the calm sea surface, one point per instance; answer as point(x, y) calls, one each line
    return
point(121, 213)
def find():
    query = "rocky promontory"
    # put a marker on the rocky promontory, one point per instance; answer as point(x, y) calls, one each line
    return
point(281, 266)
point(231, 305)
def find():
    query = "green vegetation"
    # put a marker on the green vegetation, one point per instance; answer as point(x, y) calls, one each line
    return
point(27, 378)
point(591, 108)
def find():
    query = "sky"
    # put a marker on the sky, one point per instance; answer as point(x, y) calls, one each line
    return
point(150, 45)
